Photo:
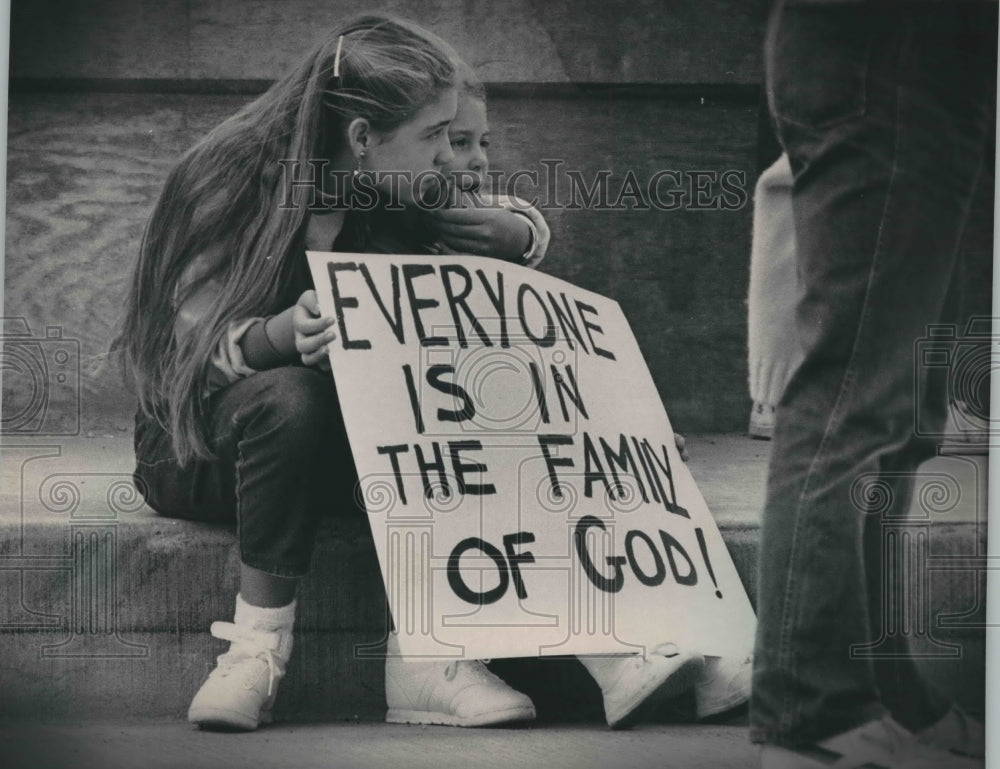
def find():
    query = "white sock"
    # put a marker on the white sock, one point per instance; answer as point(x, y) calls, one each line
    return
point(261, 618)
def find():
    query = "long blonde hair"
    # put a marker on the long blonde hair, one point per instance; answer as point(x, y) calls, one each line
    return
point(225, 197)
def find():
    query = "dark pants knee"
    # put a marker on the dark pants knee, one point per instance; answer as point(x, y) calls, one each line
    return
point(281, 464)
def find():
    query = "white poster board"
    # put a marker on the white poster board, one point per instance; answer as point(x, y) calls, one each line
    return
point(518, 467)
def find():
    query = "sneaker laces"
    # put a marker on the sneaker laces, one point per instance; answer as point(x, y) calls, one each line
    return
point(478, 671)
point(255, 644)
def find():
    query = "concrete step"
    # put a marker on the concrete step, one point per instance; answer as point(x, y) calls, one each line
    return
point(108, 604)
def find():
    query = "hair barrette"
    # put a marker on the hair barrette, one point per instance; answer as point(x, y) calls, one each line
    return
point(336, 58)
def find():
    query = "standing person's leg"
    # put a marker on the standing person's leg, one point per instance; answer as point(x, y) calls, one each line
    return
point(880, 108)
point(280, 447)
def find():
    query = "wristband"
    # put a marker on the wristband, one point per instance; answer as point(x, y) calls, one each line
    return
point(532, 237)
point(281, 333)
point(258, 352)
point(270, 342)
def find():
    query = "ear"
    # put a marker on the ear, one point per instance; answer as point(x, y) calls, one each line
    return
point(359, 134)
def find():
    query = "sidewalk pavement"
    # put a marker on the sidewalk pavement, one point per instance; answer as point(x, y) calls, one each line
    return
point(174, 744)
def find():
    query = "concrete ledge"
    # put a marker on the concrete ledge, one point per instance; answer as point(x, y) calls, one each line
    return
point(109, 604)
point(714, 41)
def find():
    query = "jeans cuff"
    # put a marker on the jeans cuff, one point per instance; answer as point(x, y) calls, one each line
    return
point(814, 732)
point(294, 571)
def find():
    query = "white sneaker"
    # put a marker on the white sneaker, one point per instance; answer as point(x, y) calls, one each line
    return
point(630, 681)
point(957, 732)
point(456, 693)
point(241, 690)
point(723, 685)
point(761, 421)
point(882, 743)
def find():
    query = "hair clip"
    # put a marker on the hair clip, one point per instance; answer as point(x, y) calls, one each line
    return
point(336, 59)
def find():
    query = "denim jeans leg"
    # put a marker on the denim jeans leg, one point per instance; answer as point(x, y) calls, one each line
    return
point(881, 108)
point(282, 462)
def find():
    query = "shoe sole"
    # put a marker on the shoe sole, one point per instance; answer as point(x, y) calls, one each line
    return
point(817, 758)
point(721, 706)
point(778, 758)
point(221, 720)
point(678, 682)
point(514, 715)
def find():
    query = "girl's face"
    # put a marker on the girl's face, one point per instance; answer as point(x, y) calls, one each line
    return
point(418, 146)
point(469, 134)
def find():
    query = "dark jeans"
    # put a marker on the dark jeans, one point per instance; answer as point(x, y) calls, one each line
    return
point(884, 110)
point(282, 464)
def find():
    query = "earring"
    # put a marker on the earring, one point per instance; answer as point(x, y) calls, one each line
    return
point(361, 156)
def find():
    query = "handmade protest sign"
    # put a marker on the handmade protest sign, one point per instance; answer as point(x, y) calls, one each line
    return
point(518, 467)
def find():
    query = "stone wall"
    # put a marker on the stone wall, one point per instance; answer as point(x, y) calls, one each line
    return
point(108, 93)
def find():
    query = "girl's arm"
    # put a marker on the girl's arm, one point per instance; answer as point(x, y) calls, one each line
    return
point(540, 228)
point(498, 226)
point(228, 362)
point(256, 344)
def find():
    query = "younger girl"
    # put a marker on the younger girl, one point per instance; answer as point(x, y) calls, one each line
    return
point(626, 682)
point(490, 224)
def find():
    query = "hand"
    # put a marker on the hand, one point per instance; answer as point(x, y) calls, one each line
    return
point(495, 232)
point(313, 331)
point(680, 443)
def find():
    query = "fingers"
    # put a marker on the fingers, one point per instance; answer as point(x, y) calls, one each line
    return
point(319, 358)
point(463, 246)
point(314, 345)
point(461, 198)
point(313, 331)
point(461, 231)
point(307, 319)
point(681, 446)
point(310, 301)
point(468, 217)
point(307, 326)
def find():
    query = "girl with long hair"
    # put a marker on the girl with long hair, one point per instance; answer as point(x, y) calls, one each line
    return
point(224, 345)
point(222, 338)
